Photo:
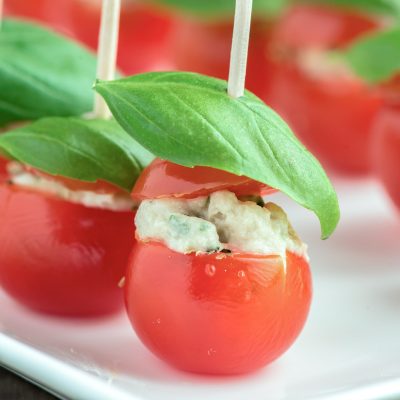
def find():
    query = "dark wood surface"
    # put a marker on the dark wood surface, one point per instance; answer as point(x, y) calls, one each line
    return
point(13, 387)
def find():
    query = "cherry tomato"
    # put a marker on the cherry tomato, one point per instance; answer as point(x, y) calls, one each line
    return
point(332, 112)
point(62, 258)
point(142, 37)
point(165, 179)
point(204, 46)
point(216, 313)
point(385, 150)
point(143, 33)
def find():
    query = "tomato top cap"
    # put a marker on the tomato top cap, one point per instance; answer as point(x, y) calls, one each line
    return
point(165, 179)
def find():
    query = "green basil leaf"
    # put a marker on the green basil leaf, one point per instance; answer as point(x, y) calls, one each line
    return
point(189, 119)
point(375, 57)
point(385, 7)
point(88, 150)
point(42, 74)
point(218, 8)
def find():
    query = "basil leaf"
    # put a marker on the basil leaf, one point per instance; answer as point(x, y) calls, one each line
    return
point(375, 57)
point(42, 74)
point(189, 119)
point(218, 8)
point(385, 7)
point(88, 150)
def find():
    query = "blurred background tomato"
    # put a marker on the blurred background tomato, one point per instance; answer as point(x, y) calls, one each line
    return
point(330, 109)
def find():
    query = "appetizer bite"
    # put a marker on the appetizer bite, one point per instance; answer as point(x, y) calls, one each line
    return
point(329, 108)
point(218, 282)
point(66, 217)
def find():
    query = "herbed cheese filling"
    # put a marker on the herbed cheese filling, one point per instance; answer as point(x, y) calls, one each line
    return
point(115, 202)
point(215, 223)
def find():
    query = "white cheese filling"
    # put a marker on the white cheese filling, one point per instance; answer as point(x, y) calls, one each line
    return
point(115, 202)
point(217, 222)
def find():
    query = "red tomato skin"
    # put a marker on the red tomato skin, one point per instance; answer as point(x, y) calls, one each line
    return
point(165, 179)
point(385, 151)
point(216, 313)
point(62, 258)
point(3, 170)
point(333, 117)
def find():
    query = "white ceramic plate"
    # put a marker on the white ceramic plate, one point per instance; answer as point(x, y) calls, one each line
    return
point(350, 348)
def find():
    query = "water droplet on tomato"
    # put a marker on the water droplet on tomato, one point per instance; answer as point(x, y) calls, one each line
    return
point(247, 295)
point(211, 351)
point(241, 274)
point(210, 269)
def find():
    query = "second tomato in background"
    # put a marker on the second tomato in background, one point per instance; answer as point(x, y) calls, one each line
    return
point(330, 109)
point(216, 283)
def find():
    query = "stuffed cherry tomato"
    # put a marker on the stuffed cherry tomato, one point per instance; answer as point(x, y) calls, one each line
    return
point(385, 150)
point(215, 284)
point(331, 110)
point(63, 251)
point(204, 46)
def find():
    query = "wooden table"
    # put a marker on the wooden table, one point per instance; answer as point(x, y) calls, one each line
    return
point(13, 387)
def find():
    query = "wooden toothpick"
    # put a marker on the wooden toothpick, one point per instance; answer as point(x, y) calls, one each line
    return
point(240, 47)
point(107, 51)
